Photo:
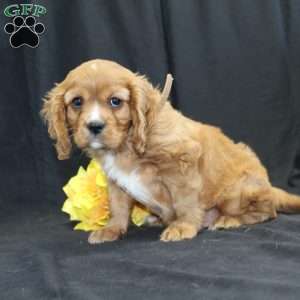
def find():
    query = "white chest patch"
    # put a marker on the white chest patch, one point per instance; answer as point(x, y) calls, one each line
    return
point(131, 182)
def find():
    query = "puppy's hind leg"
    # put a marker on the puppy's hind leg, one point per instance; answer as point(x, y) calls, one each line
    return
point(255, 206)
point(251, 217)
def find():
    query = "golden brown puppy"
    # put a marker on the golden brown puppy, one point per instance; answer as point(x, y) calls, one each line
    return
point(180, 169)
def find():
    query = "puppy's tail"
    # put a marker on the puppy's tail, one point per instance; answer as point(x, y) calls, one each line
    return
point(167, 88)
point(166, 91)
point(284, 201)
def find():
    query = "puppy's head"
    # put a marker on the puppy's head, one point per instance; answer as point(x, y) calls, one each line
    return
point(100, 106)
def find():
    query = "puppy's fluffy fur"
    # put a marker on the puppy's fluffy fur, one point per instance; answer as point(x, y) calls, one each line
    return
point(187, 173)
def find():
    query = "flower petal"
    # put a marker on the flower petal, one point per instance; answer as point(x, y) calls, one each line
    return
point(139, 214)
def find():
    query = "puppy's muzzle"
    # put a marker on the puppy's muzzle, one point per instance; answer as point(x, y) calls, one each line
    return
point(95, 127)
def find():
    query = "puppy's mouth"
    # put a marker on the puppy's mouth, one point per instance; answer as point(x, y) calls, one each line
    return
point(94, 141)
point(96, 145)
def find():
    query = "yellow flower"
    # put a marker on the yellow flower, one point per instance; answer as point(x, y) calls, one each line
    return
point(87, 198)
point(88, 202)
point(139, 214)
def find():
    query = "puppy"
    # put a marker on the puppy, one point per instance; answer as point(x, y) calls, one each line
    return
point(179, 169)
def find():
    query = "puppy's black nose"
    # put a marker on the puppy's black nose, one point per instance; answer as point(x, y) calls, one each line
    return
point(95, 127)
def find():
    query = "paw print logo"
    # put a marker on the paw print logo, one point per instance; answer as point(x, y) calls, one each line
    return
point(24, 32)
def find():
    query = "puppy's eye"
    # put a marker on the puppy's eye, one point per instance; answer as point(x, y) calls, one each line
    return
point(115, 102)
point(77, 102)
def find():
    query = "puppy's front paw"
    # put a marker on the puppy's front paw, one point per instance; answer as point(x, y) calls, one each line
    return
point(178, 231)
point(107, 234)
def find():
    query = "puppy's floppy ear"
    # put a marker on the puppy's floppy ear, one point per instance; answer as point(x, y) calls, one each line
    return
point(54, 113)
point(143, 99)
